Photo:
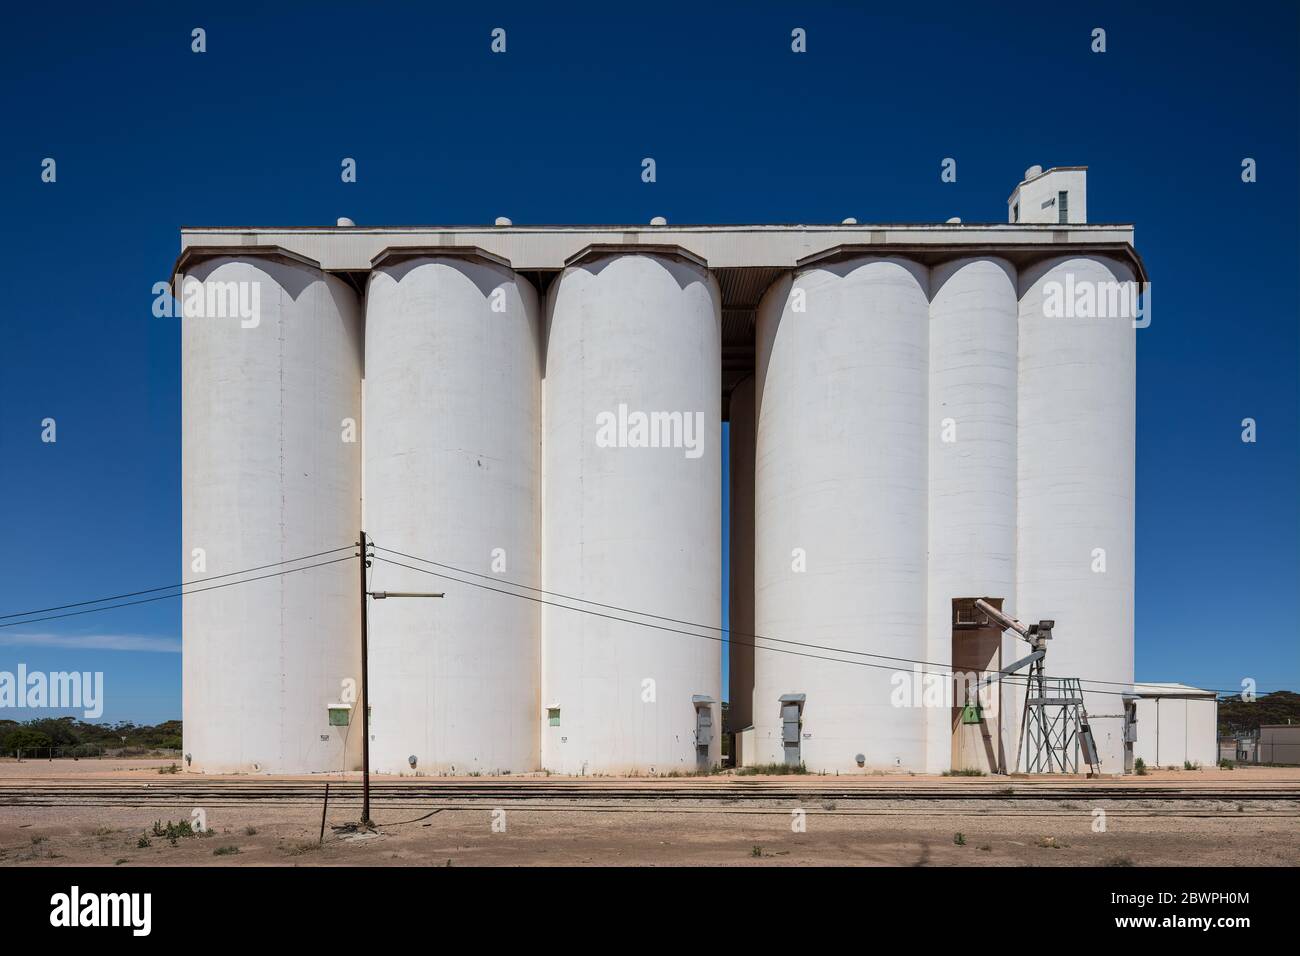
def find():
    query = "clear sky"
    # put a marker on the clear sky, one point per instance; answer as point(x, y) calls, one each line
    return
point(149, 136)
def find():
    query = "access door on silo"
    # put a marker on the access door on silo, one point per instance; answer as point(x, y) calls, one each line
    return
point(791, 710)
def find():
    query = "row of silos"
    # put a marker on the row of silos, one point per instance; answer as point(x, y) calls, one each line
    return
point(918, 434)
point(475, 444)
point(923, 435)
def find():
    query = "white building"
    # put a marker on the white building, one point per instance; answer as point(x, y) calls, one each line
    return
point(920, 415)
point(1176, 725)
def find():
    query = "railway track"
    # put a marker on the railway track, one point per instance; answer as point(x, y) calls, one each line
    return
point(474, 793)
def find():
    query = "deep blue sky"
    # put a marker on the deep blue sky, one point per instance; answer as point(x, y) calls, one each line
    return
point(149, 136)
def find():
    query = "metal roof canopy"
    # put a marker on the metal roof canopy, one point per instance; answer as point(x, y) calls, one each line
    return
point(551, 248)
point(745, 259)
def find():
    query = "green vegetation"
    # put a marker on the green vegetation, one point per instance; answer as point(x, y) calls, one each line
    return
point(964, 773)
point(1188, 765)
point(23, 738)
point(225, 851)
point(1226, 764)
point(77, 738)
point(174, 831)
point(715, 769)
point(773, 769)
point(1236, 716)
point(959, 839)
point(1140, 767)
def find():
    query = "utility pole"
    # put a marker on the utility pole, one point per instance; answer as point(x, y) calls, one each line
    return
point(365, 671)
point(365, 688)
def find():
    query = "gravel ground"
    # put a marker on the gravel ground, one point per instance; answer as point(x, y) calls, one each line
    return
point(546, 830)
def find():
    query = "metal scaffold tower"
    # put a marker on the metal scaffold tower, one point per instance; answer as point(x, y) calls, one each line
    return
point(1054, 726)
point(1054, 731)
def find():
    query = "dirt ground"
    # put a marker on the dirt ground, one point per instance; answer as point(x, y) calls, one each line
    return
point(979, 828)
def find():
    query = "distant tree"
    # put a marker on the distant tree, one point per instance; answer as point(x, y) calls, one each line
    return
point(24, 738)
point(1236, 716)
point(70, 733)
point(61, 731)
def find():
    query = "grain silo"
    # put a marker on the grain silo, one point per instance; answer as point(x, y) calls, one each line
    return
point(1077, 400)
point(271, 376)
point(632, 513)
point(840, 498)
point(452, 474)
point(972, 502)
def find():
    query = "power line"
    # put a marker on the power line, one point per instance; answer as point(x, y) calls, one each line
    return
point(1016, 680)
point(164, 597)
point(732, 633)
point(672, 620)
point(167, 587)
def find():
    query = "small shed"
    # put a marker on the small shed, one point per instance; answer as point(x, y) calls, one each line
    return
point(1176, 724)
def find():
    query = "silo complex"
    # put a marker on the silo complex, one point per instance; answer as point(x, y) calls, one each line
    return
point(632, 515)
point(452, 447)
point(840, 498)
point(531, 419)
point(1076, 478)
point(271, 370)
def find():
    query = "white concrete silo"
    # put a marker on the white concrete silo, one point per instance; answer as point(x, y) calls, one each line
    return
point(1076, 428)
point(452, 475)
point(840, 511)
point(632, 334)
point(268, 473)
point(972, 500)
